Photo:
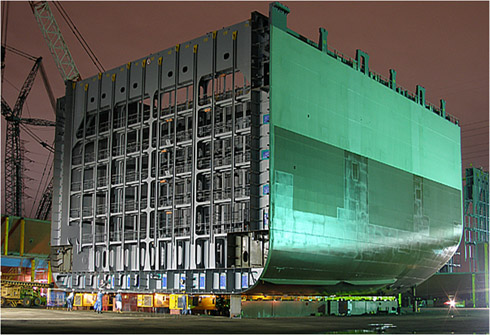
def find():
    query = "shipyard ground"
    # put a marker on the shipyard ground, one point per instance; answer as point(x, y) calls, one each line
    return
point(435, 321)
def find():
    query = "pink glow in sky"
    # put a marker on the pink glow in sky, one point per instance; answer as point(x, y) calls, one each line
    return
point(443, 46)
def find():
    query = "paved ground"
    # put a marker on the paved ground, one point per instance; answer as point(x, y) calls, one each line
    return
point(436, 321)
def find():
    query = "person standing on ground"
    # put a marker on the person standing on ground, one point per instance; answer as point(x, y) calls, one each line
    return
point(95, 303)
point(98, 303)
point(184, 304)
point(69, 301)
point(119, 302)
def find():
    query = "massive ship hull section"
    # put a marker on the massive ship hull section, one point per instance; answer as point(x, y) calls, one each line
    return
point(249, 160)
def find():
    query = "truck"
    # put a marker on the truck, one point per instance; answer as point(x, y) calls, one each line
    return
point(27, 294)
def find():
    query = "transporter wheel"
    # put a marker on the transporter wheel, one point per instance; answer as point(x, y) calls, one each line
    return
point(37, 301)
point(27, 301)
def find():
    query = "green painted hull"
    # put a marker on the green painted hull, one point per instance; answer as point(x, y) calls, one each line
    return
point(365, 183)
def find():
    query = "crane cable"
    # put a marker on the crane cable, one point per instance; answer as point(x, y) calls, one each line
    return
point(79, 36)
point(37, 138)
point(44, 75)
point(41, 181)
point(5, 18)
point(20, 52)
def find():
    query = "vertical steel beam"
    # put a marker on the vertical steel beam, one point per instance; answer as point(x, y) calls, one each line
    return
point(95, 169)
point(109, 166)
point(63, 166)
point(157, 163)
point(473, 290)
point(139, 137)
point(50, 273)
point(487, 291)
point(82, 178)
point(233, 165)
point(22, 235)
point(7, 230)
point(414, 301)
point(123, 196)
point(195, 94)
point(322, 43)
point(33, 269)
point(420, 95)
point(174, 248)
point(212, 242)
point(393, 79)
point(443, 108)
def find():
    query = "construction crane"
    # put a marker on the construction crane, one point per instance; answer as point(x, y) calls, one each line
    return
point(64, 62)
point(68, 71)
point(44, 208)
point(53, 37)
point(14, 154)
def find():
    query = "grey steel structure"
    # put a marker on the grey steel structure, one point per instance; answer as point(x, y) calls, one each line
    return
point(252, 159)
point(158, 169)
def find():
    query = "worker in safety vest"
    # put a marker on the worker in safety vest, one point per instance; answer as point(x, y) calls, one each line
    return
point(69, 301)
point(98, 303)
point(119, 302)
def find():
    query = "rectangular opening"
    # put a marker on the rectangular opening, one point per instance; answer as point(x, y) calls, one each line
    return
point(86, 231)
point(185, 98)
point(130, 227)
point(101, 204)
point(115, 228)
point(355, 171)
point(75, 206)
point(119, 116)
point(103, 148)
point(202, 220)
point(223, 85)
point(87, 203)
point(165, 193)
point(205, 91)
point(134, 114)
point(76, 179)
point(118, 144)
point(165, 223)
point(116, 200)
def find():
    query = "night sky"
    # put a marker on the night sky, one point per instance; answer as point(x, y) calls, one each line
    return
point(443, 46)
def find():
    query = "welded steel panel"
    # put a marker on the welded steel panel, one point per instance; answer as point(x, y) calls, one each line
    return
point(152, 74)
point(106, 89)
point(168, 68)
point(136, 73)
point(366, 184)
point(120, 92)
point(186, 61)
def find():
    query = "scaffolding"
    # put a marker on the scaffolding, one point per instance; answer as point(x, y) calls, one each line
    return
point(476, 219)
